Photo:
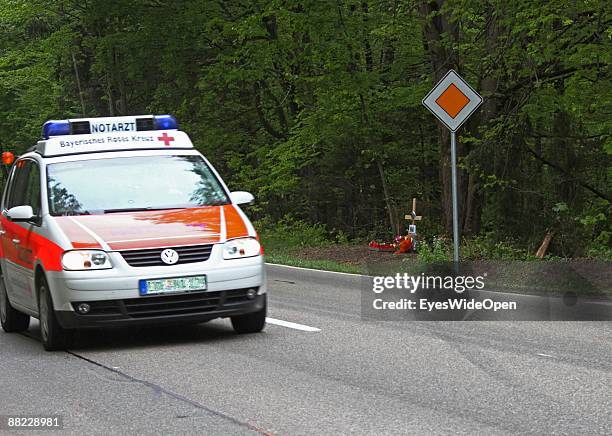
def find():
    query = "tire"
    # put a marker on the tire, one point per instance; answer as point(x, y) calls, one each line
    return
point(251, 322)
point(54, 336)
point(12, 320)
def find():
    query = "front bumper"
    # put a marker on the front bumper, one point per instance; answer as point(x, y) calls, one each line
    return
point(118, 288)
point(187, 308)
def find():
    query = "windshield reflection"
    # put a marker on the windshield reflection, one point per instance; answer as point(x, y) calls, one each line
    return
point(126, 184)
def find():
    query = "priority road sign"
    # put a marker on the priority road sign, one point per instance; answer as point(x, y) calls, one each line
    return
point(452, 101)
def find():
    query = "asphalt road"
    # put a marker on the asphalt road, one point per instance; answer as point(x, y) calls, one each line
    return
point(333, 374)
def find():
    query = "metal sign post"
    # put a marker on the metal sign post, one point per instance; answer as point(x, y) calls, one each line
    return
point(455, 206)
point(452, 101)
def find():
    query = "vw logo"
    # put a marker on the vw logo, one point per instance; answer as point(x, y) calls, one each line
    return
point(169, 256)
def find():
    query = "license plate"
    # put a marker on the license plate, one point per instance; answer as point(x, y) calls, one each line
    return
point(175, 284)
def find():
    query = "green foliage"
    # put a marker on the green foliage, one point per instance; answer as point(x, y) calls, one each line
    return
point(486, 247)
point(341, 238)
point(481, 247)
point(601, 247)
point(315, 106)
point(595, 228)
point(283, 240)
point(438, 251)
point(289, 233)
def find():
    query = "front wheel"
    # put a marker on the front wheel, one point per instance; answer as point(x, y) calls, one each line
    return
point(54, 336)
point(251, 322)
point(11, 319)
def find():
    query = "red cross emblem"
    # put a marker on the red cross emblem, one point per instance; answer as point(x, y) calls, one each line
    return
point(165, 138)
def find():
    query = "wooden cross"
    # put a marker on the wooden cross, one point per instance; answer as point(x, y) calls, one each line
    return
point(413, 216)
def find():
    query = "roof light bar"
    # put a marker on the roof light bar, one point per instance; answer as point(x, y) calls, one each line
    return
point(56, 128)
point(108, 125)
point(165, 122)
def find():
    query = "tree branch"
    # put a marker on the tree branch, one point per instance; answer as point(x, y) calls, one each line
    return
point(564, 172)
point(262, 117)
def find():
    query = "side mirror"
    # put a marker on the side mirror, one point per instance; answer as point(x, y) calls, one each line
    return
point(21, 214)
point(241, 197)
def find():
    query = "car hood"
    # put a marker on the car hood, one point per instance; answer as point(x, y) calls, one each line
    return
point(154, 229)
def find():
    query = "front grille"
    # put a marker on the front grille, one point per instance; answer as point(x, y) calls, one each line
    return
point(164, 305)
point(152, 257)
point(172, 304)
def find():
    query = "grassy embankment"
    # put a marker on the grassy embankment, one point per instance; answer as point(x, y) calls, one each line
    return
point(293, 244)
point(509, 268)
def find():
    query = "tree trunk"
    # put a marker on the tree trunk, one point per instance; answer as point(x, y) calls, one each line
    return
point(78, 82)
point(436, 29)
point(471, 221)
point(390, 206)
point(489, 111)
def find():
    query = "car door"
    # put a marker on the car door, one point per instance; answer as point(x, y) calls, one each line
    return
point(7, 249)
point(16, 241)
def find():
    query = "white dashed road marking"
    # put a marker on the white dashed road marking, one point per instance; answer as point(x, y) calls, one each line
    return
point(545, 355)
point(292, 325)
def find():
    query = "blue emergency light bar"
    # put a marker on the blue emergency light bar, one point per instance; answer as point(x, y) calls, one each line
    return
point(108, 125)
point(56, 128)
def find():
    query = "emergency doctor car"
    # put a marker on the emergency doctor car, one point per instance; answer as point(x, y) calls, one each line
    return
point(120, 222)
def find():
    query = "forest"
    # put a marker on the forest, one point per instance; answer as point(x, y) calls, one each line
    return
point(315, 107)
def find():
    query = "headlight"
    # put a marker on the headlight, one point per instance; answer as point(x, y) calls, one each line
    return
point(239, 248)
point(79, 260)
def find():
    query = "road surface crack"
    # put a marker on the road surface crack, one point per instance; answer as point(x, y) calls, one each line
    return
point(157, 389)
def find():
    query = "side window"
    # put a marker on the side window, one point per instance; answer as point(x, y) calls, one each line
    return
point(19, 185)
point(33, 192)
point(7, 189)
point(25, 187)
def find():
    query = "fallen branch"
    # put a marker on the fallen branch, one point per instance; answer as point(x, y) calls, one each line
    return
point(544, 246)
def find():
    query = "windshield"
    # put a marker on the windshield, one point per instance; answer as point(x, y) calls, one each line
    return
point(131, 183)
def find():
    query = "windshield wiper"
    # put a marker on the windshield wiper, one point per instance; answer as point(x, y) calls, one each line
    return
point(143, 209)
point(140, 209)
point(74, 213)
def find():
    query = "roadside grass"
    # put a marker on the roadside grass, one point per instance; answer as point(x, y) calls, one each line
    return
point(529, 278)
point(295, 243)
point(284, 240)
point(285, 257)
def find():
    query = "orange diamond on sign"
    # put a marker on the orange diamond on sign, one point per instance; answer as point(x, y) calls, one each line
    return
point(452, 100)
